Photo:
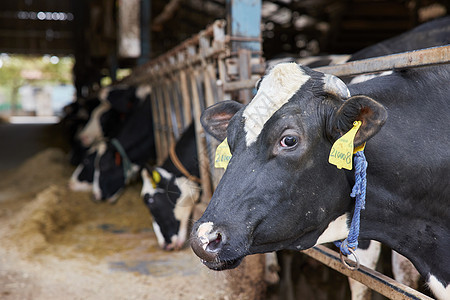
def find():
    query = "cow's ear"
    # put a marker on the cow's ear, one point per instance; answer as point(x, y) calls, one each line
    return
point(372, 114)
point(215, 118)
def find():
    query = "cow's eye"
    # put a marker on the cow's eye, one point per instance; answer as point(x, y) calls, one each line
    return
point(289, 141)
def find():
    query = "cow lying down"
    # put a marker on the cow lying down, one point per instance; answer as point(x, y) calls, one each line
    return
point(171, 190)
point(280, 192)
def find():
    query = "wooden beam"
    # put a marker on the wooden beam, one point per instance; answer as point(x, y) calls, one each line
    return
point(167, 14)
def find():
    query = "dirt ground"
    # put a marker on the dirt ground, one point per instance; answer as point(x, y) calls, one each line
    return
point(58, 244)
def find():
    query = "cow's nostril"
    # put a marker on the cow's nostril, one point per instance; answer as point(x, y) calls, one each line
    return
point(215, 244)
point(207, 242)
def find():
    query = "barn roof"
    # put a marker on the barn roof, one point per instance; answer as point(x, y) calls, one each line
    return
point(88, 29)
point(290, 26)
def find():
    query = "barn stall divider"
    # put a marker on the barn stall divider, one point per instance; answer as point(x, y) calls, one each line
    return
point(197, 73)
point(204, 70)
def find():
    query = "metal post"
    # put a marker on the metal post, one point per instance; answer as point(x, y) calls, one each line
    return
point(244, 23)
point(145, 31)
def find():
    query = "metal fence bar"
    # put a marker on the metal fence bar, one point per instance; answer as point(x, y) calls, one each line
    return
point(372, 279)
point(413, 59)
point(418, 58)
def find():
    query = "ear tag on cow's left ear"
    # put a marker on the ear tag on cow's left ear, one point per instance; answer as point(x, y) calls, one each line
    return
point(223, 155)
point(156, 178)
point(342, 151)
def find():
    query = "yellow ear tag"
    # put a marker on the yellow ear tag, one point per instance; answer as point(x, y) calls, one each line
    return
point(156, 178)
point(223, 155)
point(342, 150)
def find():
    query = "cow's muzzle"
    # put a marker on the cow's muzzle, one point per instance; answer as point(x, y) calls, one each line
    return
point(207, 243)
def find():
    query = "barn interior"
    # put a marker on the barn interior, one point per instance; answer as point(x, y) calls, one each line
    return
point(58, 243)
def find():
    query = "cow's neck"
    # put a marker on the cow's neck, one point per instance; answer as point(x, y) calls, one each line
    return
point(136, 130)
point(389, 220)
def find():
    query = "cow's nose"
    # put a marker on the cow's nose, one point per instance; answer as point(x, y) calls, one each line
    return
point(207, 242)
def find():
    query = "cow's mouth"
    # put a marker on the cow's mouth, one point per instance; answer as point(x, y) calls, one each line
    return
point(222, 265)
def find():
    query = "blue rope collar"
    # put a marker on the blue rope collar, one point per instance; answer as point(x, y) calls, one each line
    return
point(358, 192)
point(126, 162)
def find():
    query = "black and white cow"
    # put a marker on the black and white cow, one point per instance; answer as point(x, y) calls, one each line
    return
point(280, 192)
point(117, 105)
point(83, 175)
point(76, 115)
point(431, 34)
point(169, 195)
point(120, 159)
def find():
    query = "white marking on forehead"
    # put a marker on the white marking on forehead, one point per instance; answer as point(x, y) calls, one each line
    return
point(438, 288)
point(275, 90)
point(336, 230)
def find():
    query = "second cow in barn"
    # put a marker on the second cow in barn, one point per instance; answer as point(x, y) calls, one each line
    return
point(118, 104)
point(120, 159)
point(280, 192)
point(171, 190)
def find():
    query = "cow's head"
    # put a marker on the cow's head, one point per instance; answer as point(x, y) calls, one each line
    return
point(170, 200)
point(110, 177)
point(93, 131)
point(279, 191)
point(83, 176)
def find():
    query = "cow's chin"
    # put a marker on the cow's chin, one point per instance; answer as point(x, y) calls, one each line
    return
point(223, 265)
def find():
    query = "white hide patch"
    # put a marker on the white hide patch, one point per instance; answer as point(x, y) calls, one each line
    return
point(164, 173)
point(103, 94)
point(77, 185)
point(142, 91)
point(366, 77)
point(147, 186)
point(101, 149)
point(369, 258)
point(438, 289)
point(275, 90)
point(93, 131)
point(96, 187)
point(190, 193)
point(336, 230)
point(159, 235)
point(404, 271)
